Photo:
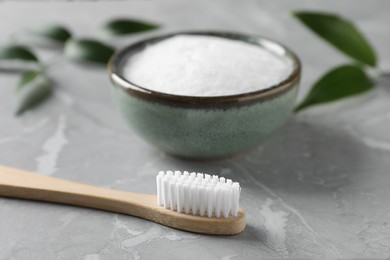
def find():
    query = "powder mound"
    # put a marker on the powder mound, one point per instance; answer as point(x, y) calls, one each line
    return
point(192, 65)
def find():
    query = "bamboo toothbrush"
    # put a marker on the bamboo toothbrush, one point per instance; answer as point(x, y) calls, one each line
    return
point(188, 201)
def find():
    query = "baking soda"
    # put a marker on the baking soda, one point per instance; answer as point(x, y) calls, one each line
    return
point(193, 65)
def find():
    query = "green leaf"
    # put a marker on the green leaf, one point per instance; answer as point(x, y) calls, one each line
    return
point(119, 27)
point(341, 82)
point(26, 78)
point(54, 32)
point(33, 89)
point(17, 52)
point(341, 33)
point(88, 50)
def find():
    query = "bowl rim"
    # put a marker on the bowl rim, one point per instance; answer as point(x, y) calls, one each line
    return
point(131, 88)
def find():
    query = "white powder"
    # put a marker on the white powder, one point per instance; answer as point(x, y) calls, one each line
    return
point(194, 65)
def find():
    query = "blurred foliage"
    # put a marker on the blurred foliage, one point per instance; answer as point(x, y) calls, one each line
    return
point(34, 86)
point(346, 80)
point(54, 32)
point(17, 52)
point(88, 50)
point(119, 27)
point(341, 82)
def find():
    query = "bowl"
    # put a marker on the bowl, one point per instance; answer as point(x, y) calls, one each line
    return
point(205, 127)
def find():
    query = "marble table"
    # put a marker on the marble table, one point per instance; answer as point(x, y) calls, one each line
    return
point(319, 188)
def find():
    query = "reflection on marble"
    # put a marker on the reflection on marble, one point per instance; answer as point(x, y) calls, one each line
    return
point(317, 189)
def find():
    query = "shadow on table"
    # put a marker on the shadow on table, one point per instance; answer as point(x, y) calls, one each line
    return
point(302, 165)
point(301, 158)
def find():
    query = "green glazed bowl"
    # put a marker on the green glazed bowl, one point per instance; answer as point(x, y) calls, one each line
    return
point(205, 127)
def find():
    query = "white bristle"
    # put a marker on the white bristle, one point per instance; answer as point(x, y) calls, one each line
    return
point(202, 200)
point(187, 196)
point(210, 201)
point(198, 193)
point(194, 199)
point(179, 197)
point(159, 179)
point(171, 195)
point(177, 174)
point(218, 205)
point(165, 186)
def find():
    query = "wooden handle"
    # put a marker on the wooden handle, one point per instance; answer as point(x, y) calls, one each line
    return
point(25, 185)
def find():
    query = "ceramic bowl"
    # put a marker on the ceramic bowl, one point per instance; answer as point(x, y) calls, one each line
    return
point(205, 127)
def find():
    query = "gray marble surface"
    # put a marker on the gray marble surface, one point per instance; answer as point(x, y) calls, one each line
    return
point(319, 188)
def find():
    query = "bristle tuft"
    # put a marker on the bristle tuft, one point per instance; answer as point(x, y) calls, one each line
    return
point(198, 193)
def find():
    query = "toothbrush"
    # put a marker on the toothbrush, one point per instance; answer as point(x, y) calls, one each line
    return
point(192, 202)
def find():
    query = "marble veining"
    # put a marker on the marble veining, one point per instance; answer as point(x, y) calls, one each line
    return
point(47, 162)
point(36, 125)
point(5, 140)
point(64, 97)
point(317, 189)
point(275, 224)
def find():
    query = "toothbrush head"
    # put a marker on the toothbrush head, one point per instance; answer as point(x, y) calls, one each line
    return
point(198, 194)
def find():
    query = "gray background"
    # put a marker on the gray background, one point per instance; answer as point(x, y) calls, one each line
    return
point(317, 188)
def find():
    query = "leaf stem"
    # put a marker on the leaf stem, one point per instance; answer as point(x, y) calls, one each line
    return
point(377, 74)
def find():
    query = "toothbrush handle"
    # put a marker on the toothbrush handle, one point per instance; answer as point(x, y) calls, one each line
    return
point(25, 185)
